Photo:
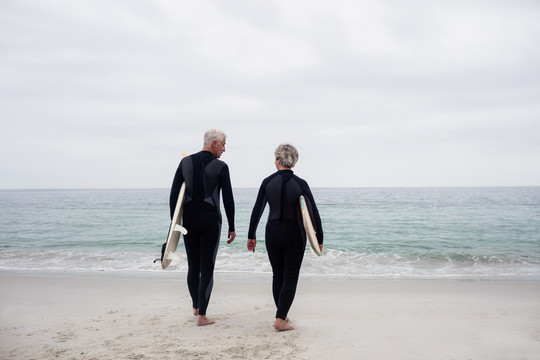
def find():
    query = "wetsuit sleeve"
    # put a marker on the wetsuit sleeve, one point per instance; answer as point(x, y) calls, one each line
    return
point(316, 218)
point(175, 189)
point(257, 212)
point(228, 199)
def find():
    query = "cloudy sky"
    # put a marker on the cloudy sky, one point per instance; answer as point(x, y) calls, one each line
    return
point(108, 94)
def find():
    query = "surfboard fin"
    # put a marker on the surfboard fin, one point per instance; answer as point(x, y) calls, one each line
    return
point(180, 228)
point(175, 257)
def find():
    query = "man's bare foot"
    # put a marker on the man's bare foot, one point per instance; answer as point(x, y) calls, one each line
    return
point(195, 312)
point(281, 325)
point(203, 321)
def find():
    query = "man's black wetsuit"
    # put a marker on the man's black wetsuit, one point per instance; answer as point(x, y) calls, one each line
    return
point(204, 175)
point(285, 234)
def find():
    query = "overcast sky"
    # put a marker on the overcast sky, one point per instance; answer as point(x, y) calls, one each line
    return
point(108, 94)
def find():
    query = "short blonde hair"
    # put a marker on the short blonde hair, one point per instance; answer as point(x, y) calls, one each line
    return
point(287, 155)
point(213, 134)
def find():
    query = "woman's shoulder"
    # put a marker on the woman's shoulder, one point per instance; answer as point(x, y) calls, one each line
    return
point(269, 178)
point(299, 180)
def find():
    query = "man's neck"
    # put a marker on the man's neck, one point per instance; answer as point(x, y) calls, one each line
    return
point(209, 149)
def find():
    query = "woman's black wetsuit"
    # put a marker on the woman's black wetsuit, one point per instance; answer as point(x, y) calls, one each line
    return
point(205, 176)
point(285, 234)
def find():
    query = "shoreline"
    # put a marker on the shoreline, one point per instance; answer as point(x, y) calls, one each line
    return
point(172, 275)
point(62, 317)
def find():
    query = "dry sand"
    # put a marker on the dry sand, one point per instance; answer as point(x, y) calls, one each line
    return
point(61, 317)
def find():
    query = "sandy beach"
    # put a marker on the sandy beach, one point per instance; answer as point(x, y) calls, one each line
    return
point(62, 317)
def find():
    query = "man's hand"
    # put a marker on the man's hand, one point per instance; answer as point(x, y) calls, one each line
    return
point(231, 237)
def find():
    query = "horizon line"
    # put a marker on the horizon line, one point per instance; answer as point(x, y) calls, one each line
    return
point(250, 187)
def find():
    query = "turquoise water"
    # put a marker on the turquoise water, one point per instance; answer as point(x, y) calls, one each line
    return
point(369, 232)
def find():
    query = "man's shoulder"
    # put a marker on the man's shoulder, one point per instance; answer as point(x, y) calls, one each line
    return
point(217, 163)
point(216, 167)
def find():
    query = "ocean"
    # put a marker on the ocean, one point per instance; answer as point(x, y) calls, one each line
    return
point(371, 233)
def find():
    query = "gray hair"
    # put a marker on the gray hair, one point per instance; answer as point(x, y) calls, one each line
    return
point(213, 134)
point(287, 155)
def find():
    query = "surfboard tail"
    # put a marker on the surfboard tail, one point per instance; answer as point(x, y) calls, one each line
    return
point(181, 229)
point(308, 226)
point(174, 257)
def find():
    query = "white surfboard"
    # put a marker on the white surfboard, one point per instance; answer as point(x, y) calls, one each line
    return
point(174, 232)
point(308, 225)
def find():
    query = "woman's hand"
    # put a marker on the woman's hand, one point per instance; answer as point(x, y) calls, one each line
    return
point(251, 243)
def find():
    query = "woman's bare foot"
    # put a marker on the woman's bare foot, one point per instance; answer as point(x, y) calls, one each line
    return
point(203, 321)
point(281, 325)
point(195, 312)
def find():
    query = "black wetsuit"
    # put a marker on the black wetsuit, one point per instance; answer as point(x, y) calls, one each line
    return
point(205, 176)
point(285, 235)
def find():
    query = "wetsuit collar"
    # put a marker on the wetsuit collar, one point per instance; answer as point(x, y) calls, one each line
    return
point(208, 152)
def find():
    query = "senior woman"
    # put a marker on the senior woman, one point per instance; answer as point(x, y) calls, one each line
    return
point(285, 235)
